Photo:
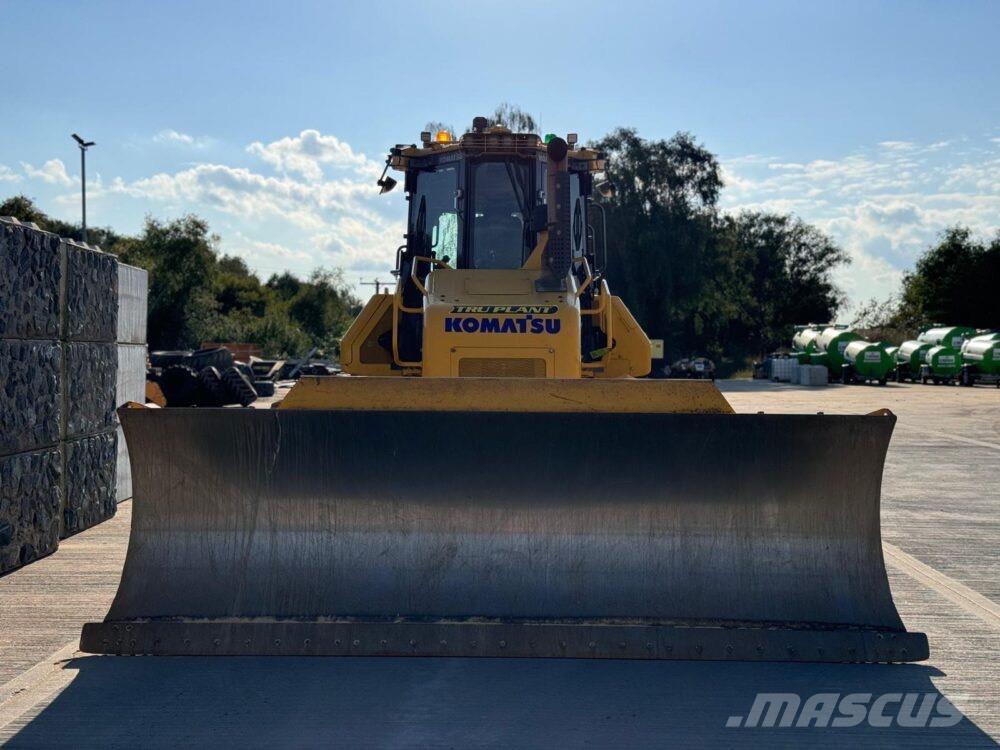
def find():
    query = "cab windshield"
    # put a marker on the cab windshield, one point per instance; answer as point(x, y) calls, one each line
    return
point(433, 214)
point(498, 232)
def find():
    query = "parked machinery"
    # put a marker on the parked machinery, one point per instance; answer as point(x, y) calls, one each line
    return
point(697, 368)
point(805, 337)
point(866, 362)
point(909, 358)
point(942, 364)
point(832, 342)
point(950, 336)
point(981, 360)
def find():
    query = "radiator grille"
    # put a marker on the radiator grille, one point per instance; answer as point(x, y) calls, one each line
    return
point(487, 367)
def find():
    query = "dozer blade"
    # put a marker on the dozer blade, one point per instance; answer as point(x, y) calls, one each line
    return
point(476, 532)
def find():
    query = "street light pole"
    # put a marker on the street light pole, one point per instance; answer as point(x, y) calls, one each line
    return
point(84, 145)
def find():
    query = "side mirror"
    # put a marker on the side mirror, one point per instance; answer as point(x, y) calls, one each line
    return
point(606, 189)
point(539, 218)
point(385, 185)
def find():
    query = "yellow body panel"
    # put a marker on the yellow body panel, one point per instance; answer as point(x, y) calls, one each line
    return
point(497, 316)
point(631, 353)
point(360, 351)
point(495, 323)
point(507, 395)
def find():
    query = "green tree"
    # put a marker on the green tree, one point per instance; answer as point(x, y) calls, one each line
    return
point(661, 223)
point(728, 287)
point(284, 285)
point(23, 208)
point(236, 288)
point(324, 307)
point(181, 259)
point(954, 283)
point(513, 117)
point(433, 126)
point(508, 115)
point(783, 277)
point(880, 320)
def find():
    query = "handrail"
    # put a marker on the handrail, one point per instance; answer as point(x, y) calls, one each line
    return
point(417, 283)
point(399, 307)
point(603, 306)
point(399, 252)
point(413, 270)
point(604, 232)
point(602, 295)
point(590, 276)
point(395, 342)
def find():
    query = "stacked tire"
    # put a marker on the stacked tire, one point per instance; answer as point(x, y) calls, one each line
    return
point(179, 384)
point(207, 377)
point(213, 390)
point(238, 387)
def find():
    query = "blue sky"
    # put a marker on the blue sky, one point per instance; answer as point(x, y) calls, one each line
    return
point(879, 122)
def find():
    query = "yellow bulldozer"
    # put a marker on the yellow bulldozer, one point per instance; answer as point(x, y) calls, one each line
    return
point(491, 476)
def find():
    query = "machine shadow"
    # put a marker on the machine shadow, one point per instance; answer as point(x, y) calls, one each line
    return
point(430, 702)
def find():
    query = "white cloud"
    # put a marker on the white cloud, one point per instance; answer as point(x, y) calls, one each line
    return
point(171, 137)
point(306, 154)
point(885, 205)
point(749, 159)
point(242, 192)
point(267, 257)
point(361, 245)
point(296, 218)
point(982, 176)
point(898, 145)
point(53, 172)
point(8, 175)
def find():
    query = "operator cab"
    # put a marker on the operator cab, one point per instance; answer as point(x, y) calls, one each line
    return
point(474, 202)
point(479, 203)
